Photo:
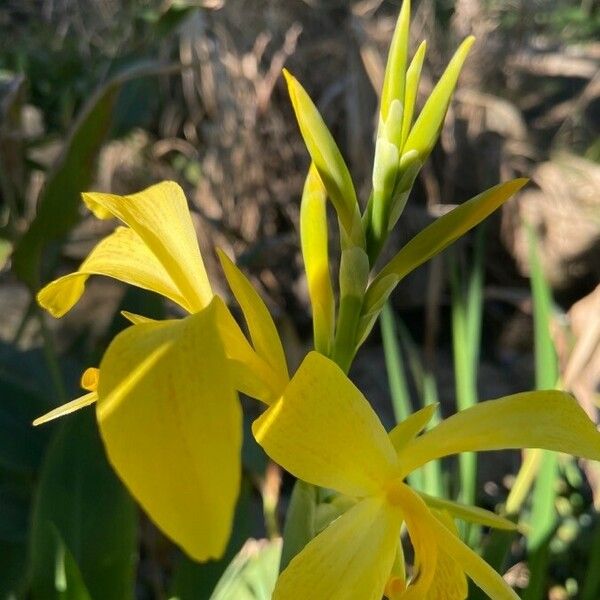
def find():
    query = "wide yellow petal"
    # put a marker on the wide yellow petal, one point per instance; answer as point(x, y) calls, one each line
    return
point(172, 427)
point(408, 429)
point(548, 419)
point(350, 560)
point(67, 408)
point(473, 565)
point(324, 431)
point(161, 217)
point(473, 514)
point(261, 327)
point(450, 582)
point(122, 255)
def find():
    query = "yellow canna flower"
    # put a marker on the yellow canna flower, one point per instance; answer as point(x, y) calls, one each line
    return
point(324, 431)
point(166, 391)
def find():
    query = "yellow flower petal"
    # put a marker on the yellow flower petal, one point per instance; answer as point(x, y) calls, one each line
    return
point(450, 582)
point(549, 419)
point(352, 558)
point(160, 216)
point(136, 319)
point(67, 408)
point(122, 255)
point(418, 523)
point(465, 512)
point(172, 427)
point(250, 373)
point(408, 429)
point(263, 332)
point(473, 565)
point(324, 431)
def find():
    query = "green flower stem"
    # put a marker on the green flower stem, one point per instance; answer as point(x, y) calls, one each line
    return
point(344, 347)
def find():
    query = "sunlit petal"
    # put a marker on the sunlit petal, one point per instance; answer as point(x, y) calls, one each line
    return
point(261, 327)
point(549, 419)
point(160, 216)
point(408, 429)
point(324, 431)
point(122, 255)
point(352, 558)
point(172, 427)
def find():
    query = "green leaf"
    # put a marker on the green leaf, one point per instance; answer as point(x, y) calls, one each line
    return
point(59, 202)
point(68, 580)
point(395, 71)
point(79, 495)
point(413, 77)
point(327, 159)
point(299, 526)
point(429, 242)
point(543, 513)
point(314, 240)
point(426, 130)
point(252, 573)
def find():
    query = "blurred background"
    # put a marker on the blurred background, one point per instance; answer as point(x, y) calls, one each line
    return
point(111, 95)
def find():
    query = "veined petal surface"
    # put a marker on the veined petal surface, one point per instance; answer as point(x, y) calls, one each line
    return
point(551, 420)
point(350, 560)
point(324, 431)
point(161, 217)
point(122, 255)
point(172, 427)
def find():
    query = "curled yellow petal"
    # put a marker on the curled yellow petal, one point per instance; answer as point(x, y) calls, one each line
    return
point(546, 419)
point(263, 332)
point(352, 558)
point(67, 408)
point(324, 431)
point(90, 378)
point(122, 255)
point(160, 216)
point(172, 427)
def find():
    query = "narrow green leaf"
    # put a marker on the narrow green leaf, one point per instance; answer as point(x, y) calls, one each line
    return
point(252, 573)
point(429, 242)
point(426, 129)
point(79, 495)
point(68, 581)
point(395, 71)
point(543, 513)
point(413, 78)
point(314, 242)
point(327, 158)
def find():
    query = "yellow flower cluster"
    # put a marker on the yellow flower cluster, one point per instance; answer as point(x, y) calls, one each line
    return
point(166, 392)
